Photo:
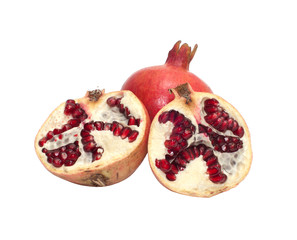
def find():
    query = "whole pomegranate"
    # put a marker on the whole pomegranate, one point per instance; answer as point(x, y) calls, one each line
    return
point(199, 144)
point(97, 140)
point(151, 84)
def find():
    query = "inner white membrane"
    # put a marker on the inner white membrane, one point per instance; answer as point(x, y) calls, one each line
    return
point(196, 169)
point(114, 146)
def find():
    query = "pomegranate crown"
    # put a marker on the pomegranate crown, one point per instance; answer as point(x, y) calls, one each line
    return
point(181, 56)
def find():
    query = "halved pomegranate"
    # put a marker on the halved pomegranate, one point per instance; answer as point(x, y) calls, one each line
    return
point(97, 140)
point(199, 144)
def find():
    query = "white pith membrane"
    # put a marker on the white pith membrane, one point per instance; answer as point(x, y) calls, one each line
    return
point(194, 180)
point(115, 148)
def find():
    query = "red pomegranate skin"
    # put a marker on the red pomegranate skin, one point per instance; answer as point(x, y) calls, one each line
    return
point(151, 85)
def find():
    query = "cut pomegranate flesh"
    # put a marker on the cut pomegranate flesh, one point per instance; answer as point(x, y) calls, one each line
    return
point(68, 154)
point(184, 145)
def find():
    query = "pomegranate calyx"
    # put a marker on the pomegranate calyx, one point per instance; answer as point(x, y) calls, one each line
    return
point(181, 56)
point(183, 90)
point(94, 95)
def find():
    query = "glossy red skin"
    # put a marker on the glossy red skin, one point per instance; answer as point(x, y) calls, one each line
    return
point(151, 85)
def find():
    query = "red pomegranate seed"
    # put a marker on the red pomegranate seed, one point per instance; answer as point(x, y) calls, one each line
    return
point(176, 137)
point(178, 129)
point(74, 122)
point(196, 151)
point(174, 169)
point(170, 176)
point(99, 125)
point(163, 117)
point(87, 139)
point(77, 112)
point(214, 169)
point(133, 135)
point(42, 141)
point(66, 127)
point(49, 135)
point(210, 118)
point(157, 163)
point(89, 126)
point(131, 121)
point(63, 155)
point(211, 102)
point(219, 178)
point(239, 132)
point(107, 126)
point(90, 146)
point(165, 166)
point(57, 162)
point(69, 163)
point(125, 132)
point(170, 144)
point(208, 152)
point(210, 109)
point(179, 119)
point(172, 115)
point(127, 112)
point(186, 156)
point(187, 133)
point(211, 160)
point(118, 130)
point(111, 101)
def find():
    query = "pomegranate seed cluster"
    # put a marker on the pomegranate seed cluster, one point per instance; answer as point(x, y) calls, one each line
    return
point(179, 154)
point(219, 119)
point(67, 155)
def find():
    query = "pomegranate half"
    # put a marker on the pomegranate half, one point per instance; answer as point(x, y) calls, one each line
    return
point(97, 140)
point(151, 84)
point(199, 144)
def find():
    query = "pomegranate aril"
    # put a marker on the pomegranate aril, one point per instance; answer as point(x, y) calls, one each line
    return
point(57, 162)
point(210, 118)
point(211, 160)
point(164, 165)
point(69, 107)
point(89, 126)
point(179, 119)
point(84, 133)
point(176, 137)
point(170, 176)
point(131, 121)
point(172, 115)
point(125, 132)
point(214, 169)
point(111, 101)
point(42, 142)
point(90, 146)
point(178, 129)
point(133, 135)
point(239, 132)
point(170, 144)
point(107, 126)
point(63, 155)
point(74, 122)
point(87, 139)
point(187, 133)
point(163, 117)
point(208, 152)
point(186, 156)
point(210, 109)
point(69, 162)
point(211, 102)
point(99, 125)
point(174, 169)
point(117, 131)
point(219, 178)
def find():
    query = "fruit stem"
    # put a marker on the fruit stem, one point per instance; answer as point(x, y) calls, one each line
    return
point(94, 95)
point(181, 56)
point(183, 90)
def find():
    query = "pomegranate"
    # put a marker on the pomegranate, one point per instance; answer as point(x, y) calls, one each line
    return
point(199, 144)
point(151, 84)
point(97, 140)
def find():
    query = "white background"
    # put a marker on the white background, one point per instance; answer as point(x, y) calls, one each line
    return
point(54, 50)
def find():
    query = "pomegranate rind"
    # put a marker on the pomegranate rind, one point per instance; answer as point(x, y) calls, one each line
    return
point(194, 181)
point(99, 173)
